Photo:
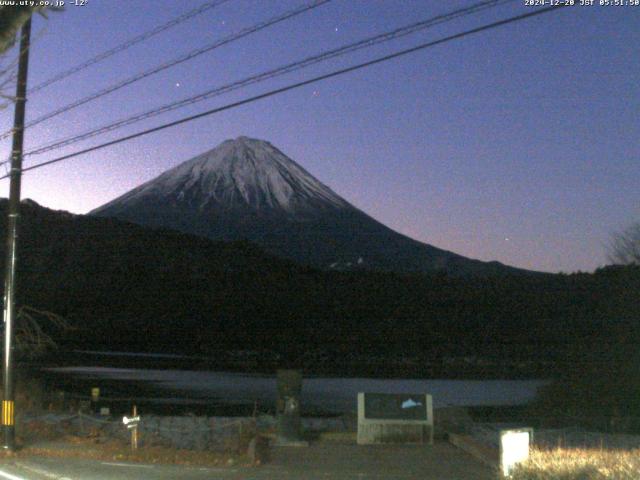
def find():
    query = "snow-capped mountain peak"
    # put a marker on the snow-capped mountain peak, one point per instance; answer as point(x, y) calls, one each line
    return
point(240, 174)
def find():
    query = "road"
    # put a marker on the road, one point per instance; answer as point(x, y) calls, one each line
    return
point(441, 461)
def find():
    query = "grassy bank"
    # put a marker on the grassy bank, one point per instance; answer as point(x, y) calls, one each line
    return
point(580, 464)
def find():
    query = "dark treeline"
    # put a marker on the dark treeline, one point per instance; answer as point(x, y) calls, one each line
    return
point(127, 287)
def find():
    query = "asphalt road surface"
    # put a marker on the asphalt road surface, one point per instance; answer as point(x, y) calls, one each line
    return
point(441, 461)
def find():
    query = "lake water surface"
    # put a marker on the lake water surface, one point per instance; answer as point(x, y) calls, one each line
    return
point(326, 394)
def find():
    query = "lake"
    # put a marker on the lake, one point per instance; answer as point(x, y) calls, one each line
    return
point(320, 394)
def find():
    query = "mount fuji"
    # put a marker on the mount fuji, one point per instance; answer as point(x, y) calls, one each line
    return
point(246, 189)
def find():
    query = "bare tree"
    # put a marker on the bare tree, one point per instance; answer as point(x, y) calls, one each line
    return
point(11, 20)
point(31, 338)
point(625, 246)
point(12, 17)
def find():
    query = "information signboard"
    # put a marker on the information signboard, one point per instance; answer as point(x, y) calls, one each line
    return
point(395, 406)
point(385, 417)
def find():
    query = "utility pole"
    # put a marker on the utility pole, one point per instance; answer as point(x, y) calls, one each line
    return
point(8, 410)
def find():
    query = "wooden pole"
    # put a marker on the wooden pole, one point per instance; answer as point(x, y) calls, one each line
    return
point(134, 431)
point(8, 413)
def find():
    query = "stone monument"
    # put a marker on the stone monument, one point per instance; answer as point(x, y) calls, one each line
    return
point(289, 429)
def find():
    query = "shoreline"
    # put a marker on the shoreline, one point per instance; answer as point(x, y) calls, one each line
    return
point(267, 363)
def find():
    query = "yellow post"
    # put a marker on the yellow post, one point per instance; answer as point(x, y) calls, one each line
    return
point(8, 413)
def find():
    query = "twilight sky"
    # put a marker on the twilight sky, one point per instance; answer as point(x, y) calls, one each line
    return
point(520, 144)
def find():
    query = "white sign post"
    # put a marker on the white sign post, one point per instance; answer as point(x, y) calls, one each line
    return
point(132, 424)
point(514, 448)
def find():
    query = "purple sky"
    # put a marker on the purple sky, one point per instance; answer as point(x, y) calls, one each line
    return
point(520, 144)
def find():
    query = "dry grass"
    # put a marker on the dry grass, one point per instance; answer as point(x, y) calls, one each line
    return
point(42, 439)
point(580, 464)
point(110, 450)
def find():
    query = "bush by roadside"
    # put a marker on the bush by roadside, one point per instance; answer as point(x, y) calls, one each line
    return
point(600, 392)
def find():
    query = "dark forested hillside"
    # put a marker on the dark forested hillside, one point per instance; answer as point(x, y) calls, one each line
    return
point(129, 287)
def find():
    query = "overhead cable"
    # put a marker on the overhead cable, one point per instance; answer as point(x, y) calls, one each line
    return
point(174, 62)
point(128, 44)
point(297, 85)
point(269, 74)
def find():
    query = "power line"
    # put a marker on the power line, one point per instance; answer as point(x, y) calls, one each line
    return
point(10, 71)
point(188, 56)
point(129, 43)
point(295, 86)
point(269, 74)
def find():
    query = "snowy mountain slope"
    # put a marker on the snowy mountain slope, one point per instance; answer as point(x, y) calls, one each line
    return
point(242, 174)
point(248, 189)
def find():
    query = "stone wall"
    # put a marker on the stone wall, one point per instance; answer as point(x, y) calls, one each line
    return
point(185, 432)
